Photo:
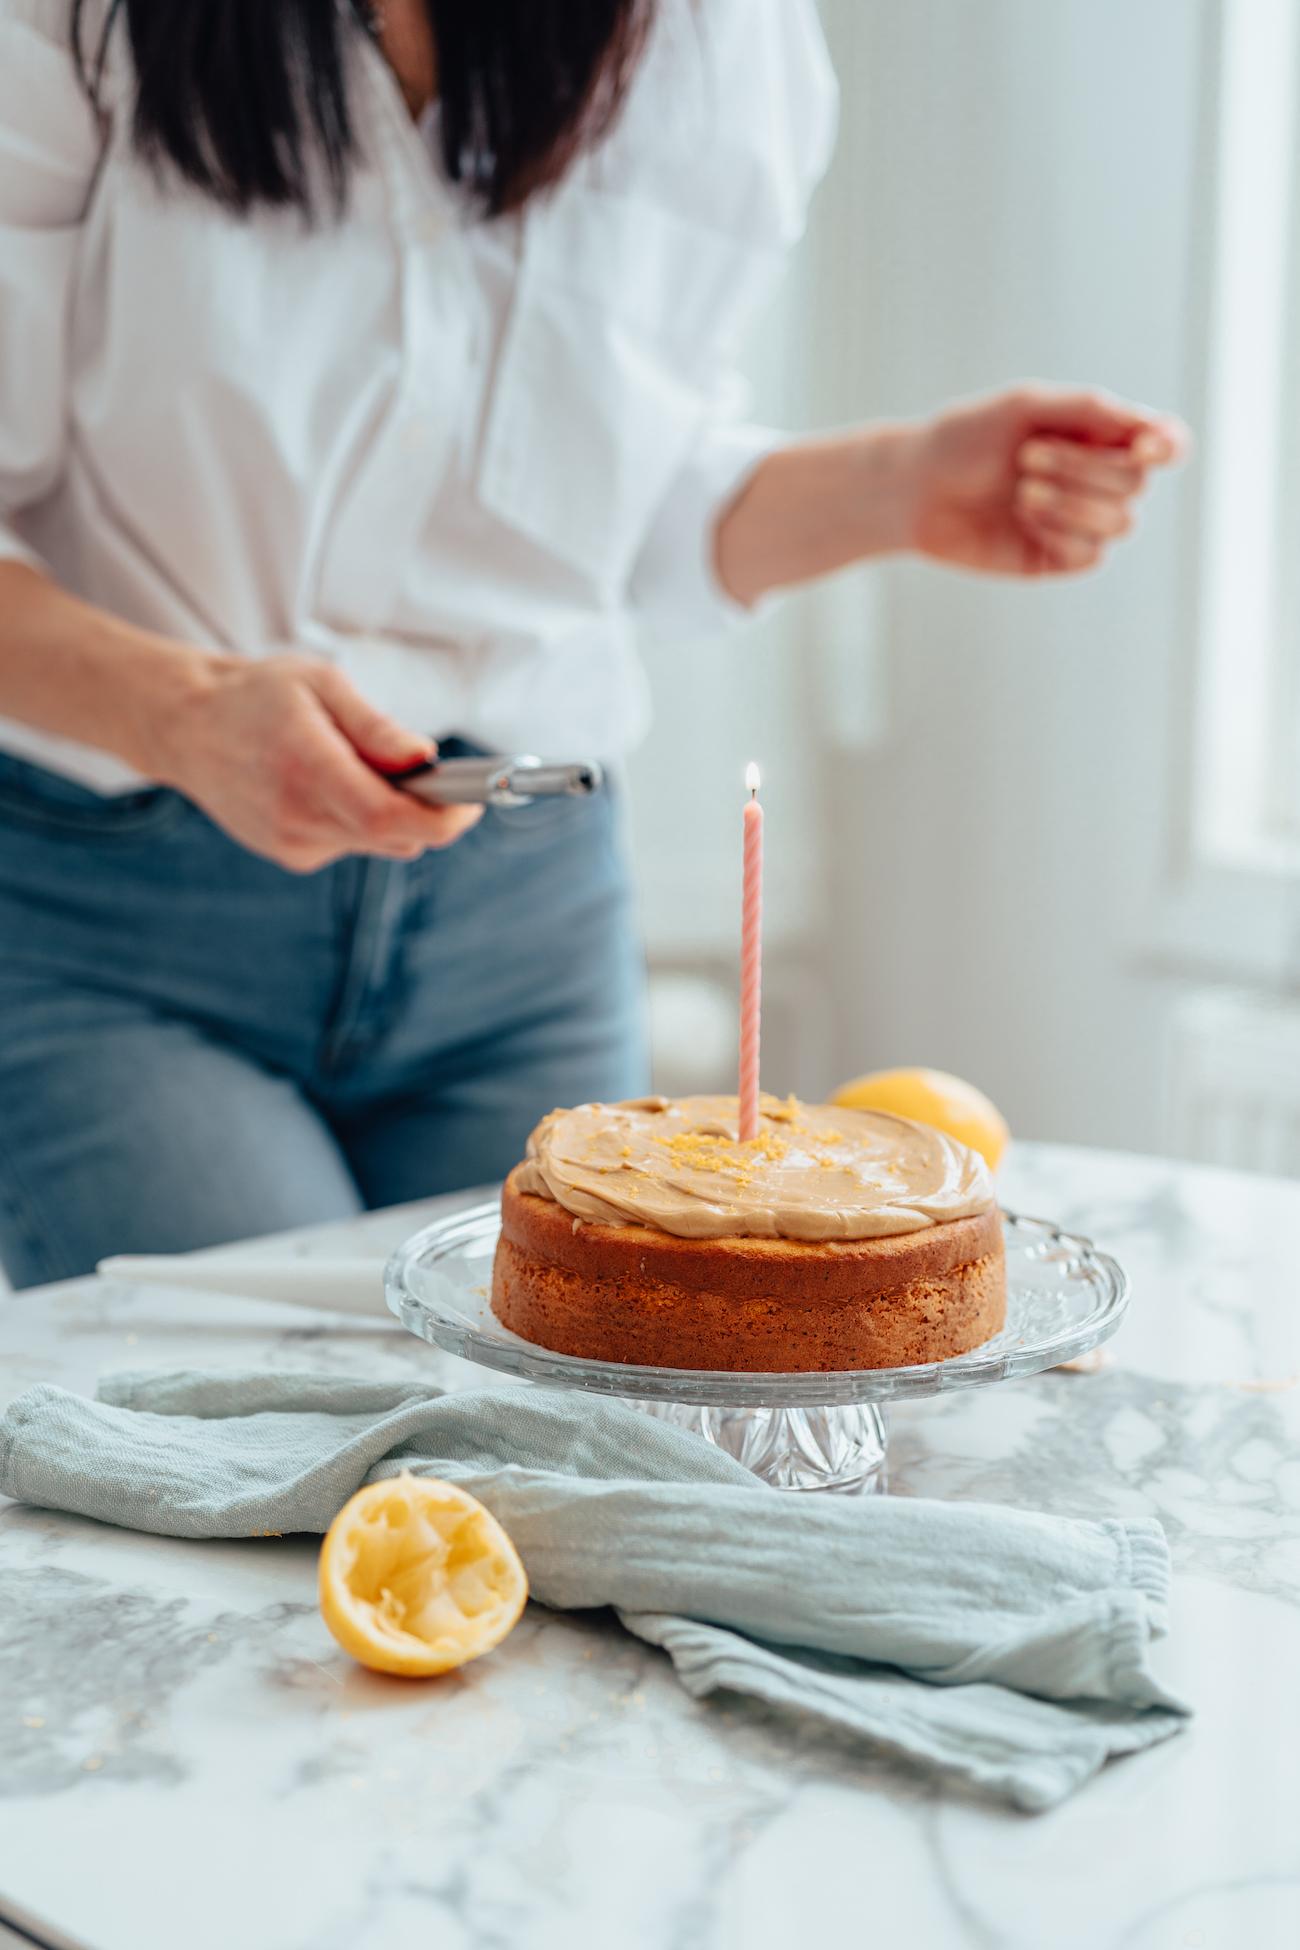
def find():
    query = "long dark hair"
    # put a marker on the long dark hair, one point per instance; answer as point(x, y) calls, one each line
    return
point(248, 99)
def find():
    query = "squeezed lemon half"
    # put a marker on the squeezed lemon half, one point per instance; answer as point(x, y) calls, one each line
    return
point(933, 1097)
point(416, 1577)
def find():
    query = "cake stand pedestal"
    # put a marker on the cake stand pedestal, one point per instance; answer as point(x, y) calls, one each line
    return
point(824, 1431)
point(825, 1448)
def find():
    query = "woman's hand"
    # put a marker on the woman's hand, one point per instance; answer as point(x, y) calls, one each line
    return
point(1034, 481)
point(283, 752)
point(286, 755)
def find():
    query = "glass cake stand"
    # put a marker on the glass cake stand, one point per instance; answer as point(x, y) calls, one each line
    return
point(823, 1431)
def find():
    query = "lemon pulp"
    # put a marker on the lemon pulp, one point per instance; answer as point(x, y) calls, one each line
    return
point(416, 1577)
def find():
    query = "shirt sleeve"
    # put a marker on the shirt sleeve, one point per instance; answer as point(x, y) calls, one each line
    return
point(49, 150)
point(674, 583)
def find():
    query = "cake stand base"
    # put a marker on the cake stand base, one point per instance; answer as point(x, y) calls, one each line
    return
point(840, 1449)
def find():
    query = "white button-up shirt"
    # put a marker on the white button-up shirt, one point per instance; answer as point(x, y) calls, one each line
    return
point(458, 457)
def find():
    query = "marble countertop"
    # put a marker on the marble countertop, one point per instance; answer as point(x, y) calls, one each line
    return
point(188, 1762)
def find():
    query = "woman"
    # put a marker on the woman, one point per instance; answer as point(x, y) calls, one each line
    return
point(362, 377)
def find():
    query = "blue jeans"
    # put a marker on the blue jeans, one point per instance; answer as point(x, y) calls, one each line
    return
point(196, 1046)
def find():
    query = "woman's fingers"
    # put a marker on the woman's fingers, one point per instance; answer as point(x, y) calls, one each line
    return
point(379, 816)
point(409, 829)
point(1070, 528)
point(435, 826)
point(1095, 517)
point(1073, 498)
point(1162, 445)
point(382, 741)
point(331, 802)
point(1099, 419)
point(1067, 554)
point(1082, 464)
point(1094, 470)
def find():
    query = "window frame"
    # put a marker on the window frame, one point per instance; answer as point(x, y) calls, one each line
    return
point(1229, 901)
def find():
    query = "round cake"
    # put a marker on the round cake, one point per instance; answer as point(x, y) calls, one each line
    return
point(646, 1232)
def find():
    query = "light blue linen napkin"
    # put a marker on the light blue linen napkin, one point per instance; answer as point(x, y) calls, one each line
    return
point(997, 1646)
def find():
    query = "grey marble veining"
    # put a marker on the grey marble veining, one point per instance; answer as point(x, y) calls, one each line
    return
point(188, 1762)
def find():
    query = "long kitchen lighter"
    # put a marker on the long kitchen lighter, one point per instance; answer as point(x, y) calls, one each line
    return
point(499, 781)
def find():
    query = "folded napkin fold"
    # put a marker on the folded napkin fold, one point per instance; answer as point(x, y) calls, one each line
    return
point(998, 1646)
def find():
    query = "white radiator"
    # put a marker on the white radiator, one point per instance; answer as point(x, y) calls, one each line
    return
point(1234, 1081)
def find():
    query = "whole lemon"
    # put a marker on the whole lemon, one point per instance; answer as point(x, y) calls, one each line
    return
point(932, 1097)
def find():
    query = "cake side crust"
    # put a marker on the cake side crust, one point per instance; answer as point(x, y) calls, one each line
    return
point(658, 1325)
point(630, 1294)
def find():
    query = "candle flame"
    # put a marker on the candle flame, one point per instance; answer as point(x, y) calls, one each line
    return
point(751, 778)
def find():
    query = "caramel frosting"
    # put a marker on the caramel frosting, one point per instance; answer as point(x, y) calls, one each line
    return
point(813, 1172)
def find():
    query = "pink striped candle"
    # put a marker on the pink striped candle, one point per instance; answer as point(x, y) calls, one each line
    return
point(751, 959)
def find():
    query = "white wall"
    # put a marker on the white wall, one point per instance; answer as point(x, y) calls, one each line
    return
point(966, 885)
